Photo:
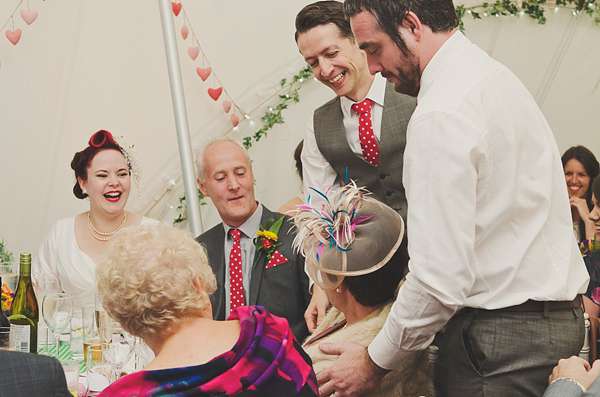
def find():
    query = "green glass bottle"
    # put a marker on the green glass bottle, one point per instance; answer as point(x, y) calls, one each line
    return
point(25, 303)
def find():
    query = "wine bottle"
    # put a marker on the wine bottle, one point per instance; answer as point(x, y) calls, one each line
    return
point(25, 303)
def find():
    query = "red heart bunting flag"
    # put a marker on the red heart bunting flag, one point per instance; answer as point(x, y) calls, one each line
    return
point(13, 37)
point(29, 16)
point(215, 93)
point(226, 106)
point(194, 51)
point(203, 73)
point(176, 8)
point(276, 259)
point(235, 120)
point(184, 31)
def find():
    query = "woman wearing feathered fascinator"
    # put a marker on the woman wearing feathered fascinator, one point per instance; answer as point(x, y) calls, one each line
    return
point(355, 250)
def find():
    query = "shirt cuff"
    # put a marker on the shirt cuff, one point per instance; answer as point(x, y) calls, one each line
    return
point(570, 380)
point(385, 354)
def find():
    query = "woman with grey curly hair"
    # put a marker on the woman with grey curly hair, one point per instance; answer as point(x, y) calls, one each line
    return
point(156, 281)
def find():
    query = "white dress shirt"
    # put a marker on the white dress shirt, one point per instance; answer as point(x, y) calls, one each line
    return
point(316, 170)
point(248, 229)
point(488, 213)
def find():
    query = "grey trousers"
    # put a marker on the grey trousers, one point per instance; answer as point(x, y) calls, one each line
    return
point(492, 353)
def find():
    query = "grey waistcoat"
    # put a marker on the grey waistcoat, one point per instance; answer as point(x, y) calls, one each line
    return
point(385, 180)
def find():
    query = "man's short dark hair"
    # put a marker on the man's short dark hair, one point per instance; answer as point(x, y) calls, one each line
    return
point(439, 15)
point(323, 13)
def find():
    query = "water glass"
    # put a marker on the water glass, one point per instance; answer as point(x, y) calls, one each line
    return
point(98, 371)
point(90, 333)
point(6, 338)
point(71, 368)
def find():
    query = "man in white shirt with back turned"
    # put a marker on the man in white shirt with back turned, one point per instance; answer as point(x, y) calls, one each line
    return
point(492, 253)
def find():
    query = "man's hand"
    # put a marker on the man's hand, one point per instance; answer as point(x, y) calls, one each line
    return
point(577, 369)
point(317, 308)
point(352, 375)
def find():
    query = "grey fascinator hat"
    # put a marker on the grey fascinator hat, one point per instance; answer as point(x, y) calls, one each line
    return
point(351, 234)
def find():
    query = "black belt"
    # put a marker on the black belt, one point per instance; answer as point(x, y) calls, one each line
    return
point(536, 306)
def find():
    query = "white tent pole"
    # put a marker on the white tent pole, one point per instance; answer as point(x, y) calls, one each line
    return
point(181, 124)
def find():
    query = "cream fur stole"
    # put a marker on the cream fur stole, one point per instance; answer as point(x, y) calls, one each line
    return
point(412, 378)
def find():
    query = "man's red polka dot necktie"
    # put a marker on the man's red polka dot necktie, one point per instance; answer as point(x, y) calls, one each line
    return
point(236, 286)
point(368, 143)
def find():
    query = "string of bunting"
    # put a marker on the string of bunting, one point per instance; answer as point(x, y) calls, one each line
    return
point(272, 115)
point(14, 35)
point(206, 70)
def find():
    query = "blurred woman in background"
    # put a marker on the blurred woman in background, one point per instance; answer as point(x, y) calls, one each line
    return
point(581, 168)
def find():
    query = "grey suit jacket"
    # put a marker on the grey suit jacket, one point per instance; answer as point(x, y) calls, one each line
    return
point(29, 375)
point(566, 388)
point(282, 290)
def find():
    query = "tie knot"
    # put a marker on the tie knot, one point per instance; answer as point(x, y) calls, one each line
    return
point(235, 234)
point(362, 107)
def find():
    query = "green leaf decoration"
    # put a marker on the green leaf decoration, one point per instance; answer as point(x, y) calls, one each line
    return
point(20, 316)
point(533, 8)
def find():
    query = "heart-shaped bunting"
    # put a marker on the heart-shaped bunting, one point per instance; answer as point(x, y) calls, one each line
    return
point(203, 73)
point(194, 51)
point(184, 31)
point(13, 37)
point(29, 16)
point(226, 106)
point(176, 8)
point(235, 120)
point(215, 93)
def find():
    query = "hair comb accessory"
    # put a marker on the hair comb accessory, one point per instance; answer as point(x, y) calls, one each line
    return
point(100, 138)
point(350, 235)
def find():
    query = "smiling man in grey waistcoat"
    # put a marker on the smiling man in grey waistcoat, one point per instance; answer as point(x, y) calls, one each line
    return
point(334, 150)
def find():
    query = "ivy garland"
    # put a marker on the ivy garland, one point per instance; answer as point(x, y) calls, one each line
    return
point(533, 8)
point(273, 114)
point(182, 208)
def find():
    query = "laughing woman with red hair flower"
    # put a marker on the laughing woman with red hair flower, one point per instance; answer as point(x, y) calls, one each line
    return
point(70, 252)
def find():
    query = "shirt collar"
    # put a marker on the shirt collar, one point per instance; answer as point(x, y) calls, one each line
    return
point(451, 49)
point(250, 227)
point(376, 94)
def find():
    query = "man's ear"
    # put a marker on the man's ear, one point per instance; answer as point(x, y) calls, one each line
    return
point(413, 24)
point(202, 187)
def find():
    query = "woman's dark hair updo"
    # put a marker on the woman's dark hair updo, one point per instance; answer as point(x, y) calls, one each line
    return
point(101, 140)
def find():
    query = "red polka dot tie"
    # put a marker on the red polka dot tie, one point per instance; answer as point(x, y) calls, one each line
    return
point(236, 286)
point(368, 143)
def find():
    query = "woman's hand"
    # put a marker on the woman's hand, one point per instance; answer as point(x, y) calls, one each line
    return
point(584, 214)
point(581, 206)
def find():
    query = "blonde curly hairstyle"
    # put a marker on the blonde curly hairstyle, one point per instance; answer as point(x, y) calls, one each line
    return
point(146, 279)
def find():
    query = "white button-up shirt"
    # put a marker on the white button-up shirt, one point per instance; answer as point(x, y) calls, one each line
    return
point(489, 223)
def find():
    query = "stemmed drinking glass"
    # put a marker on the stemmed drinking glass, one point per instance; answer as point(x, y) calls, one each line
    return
point(117, 346)
point(57, 310)
point(44, 285)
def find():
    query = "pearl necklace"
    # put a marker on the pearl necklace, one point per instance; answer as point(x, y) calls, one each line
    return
point(97, 234)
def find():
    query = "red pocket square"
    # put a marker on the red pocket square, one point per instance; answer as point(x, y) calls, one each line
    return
point(276, 259)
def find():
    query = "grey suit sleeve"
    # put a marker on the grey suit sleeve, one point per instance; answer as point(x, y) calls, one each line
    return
point(565, 388)
point(60, 381)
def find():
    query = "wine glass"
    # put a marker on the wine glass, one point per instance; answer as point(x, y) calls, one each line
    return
point(57, 310)
point(117, 346)
point(43, 285)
